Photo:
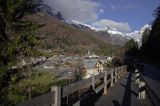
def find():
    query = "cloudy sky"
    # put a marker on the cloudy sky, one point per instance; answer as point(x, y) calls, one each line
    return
point(120, 15)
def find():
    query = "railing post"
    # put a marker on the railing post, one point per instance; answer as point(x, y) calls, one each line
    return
point(118, 72)
point(121, 71)
point(112, 78)
point(137, 76)
point(142, 92)
point(136, 71)
point(57, 99)
point(93, 82)
point(116, 75)
point(105, 83)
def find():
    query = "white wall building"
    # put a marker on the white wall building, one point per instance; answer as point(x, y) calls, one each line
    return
point(91, 67)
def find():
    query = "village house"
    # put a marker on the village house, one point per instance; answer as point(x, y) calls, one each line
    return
point(92, 66)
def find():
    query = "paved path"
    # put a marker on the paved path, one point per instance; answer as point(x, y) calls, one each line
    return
point(123, 93)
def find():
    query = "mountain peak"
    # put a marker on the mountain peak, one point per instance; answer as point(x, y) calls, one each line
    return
point(137, 35)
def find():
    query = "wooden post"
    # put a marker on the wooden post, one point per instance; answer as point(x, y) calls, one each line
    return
point(93, 82)
point(125, 69)
point(57, 99)
point(105, 83)
point(116, 75)
point(142, 92)
point(121, 70)
point(112, 77)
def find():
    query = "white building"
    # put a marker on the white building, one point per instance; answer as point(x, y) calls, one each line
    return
point(91, 67)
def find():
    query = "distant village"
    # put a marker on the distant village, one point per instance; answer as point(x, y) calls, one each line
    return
point(68, 67)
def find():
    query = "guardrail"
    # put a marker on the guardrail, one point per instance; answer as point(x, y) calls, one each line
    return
point(58, 93)
point(144, 87)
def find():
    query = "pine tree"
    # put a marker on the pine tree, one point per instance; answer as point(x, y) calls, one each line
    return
point(17, 40)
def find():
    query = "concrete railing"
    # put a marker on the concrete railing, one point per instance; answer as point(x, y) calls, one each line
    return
point(56, 95)
point(144, 87)
point(141, 84)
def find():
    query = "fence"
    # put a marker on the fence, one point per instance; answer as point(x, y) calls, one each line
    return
point(58, 93)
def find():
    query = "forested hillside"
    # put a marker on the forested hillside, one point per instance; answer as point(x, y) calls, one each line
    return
point(151, 40)
point(150, 49)
point(57, 35)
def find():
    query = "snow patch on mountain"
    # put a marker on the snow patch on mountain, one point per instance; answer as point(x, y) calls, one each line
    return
point(136, 35)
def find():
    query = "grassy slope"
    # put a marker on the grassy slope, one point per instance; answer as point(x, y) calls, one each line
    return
point(41, 82)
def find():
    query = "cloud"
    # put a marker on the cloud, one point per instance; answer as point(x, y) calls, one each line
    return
point(118, 26)
point(128, 6)
point(101, 11)
point(79, 10)
point(85, 11)
point(114, 7)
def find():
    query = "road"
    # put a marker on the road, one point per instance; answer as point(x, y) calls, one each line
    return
point(151, 75)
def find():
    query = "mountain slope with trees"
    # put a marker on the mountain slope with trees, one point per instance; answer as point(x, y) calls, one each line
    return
point(57, 35)
point(151, 40)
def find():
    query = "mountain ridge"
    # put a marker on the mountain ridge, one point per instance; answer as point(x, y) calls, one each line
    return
point(113, 35)
point(57, 35)
point(136, 35)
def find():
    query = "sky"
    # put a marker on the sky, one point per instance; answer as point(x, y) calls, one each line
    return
point(120, 15)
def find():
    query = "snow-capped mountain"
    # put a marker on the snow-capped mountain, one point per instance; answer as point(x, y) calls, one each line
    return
point(106, 34)
point(136, 35)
